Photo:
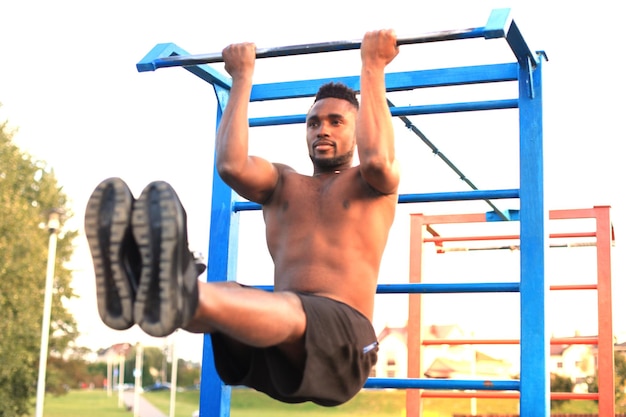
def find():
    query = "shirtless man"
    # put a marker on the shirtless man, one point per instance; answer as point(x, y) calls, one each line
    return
point(311, 339)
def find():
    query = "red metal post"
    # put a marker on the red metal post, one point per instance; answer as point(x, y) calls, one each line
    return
point(606, 365)
point(414, 323)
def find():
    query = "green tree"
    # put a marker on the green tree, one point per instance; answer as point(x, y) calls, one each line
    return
point(28, 193)
point(560, 384)
point(620, 381)
point(188, 373)
point(71, 371)
point(151, 365)
point(154, 361)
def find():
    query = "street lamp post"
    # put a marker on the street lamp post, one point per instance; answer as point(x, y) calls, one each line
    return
point(53, 227)
point(138, 378)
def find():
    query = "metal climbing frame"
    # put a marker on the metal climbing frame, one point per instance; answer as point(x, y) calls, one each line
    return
point(525, 70)
point(600, 235)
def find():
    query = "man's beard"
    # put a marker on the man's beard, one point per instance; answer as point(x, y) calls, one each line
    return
point(334, 162)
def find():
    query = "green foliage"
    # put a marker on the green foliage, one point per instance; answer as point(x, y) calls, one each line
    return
point(97, 373)
point(28, 193)
point(151, 365)
point(620, 381)
point(560, 384)
point(188, 373)
point(69, 373)
point(156, 368)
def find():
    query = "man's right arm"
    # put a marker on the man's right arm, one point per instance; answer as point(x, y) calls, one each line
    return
point(251, 177)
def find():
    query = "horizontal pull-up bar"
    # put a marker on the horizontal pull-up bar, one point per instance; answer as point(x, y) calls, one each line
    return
point(305, 49)
point(495, 28)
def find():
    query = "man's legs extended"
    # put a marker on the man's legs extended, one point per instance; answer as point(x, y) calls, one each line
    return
point(168, 295)
point(251, 316)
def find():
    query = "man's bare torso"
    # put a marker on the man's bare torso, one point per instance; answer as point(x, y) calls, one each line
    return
point(327, 234)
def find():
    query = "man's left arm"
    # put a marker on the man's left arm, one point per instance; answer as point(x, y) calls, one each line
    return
point(374, 128)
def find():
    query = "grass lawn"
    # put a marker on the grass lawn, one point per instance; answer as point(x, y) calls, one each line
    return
point(384, 403)
point(186, 402)
point(247, 403)
point(83, 403)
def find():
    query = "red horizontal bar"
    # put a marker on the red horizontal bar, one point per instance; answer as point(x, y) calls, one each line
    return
point(438, 239)
point(507, 394)
point(554, 341)
point(574, 341)
point(566, 235)
point(471, 342)
point(469, 238)
point(574, 396)
point(466, 394)
point(574, 287)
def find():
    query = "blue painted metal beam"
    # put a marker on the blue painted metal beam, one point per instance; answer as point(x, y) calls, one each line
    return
point(205, 72)
point(510, 214)
point(498, 23)
point(400, 111)
point(534, 338)
point(221, 266)
point(394, 81)
point(442, 288)
point(519, 46)
point(426, 288)
point(421, 198)
point(443, 384)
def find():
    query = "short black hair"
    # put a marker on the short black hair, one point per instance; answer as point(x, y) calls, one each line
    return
point(337, 90)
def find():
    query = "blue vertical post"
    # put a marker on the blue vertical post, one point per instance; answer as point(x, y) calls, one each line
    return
point(222, 266)
point(534, 339)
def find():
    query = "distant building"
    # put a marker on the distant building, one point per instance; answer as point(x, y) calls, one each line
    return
point(439, 361)
point(470, 364)
point(392, 353)
point(113, 351)
point(577, 362)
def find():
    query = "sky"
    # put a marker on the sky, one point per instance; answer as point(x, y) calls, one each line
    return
point(69, 86)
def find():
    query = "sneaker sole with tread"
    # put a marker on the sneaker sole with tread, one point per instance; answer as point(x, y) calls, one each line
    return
point(107, 227)
point(159, 227)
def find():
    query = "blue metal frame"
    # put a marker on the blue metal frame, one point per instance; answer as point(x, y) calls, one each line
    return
point(534, 383)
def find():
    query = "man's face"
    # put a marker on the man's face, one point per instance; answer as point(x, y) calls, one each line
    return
point(331, 133)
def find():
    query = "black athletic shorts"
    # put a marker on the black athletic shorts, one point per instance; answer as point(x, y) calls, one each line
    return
point(341, 349)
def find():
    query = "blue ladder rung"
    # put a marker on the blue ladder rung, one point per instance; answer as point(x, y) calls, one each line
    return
point(427, 288)
point(399, 111)
point(420, 198)
point(439, 288)
point(442, 384)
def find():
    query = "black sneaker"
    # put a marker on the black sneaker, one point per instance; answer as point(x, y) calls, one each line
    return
point(114, 251)
point(167, 296)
